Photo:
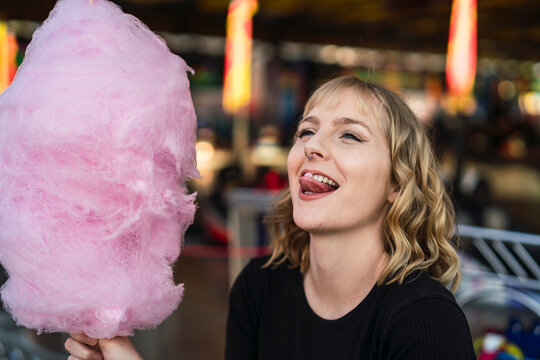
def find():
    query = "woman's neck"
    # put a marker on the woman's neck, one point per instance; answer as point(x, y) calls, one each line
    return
point(343, 269)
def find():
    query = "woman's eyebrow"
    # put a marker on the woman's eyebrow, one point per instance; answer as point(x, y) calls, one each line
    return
point(311, 119)
point(346, 121)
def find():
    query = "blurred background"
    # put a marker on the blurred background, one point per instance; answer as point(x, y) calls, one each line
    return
point(472, 77)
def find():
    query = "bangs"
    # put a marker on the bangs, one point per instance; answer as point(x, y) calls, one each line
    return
point(367, 99)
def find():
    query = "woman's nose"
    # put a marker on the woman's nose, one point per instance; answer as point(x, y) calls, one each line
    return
point(315, 149)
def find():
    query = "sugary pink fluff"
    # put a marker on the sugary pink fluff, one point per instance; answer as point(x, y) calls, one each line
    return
point(97, 136)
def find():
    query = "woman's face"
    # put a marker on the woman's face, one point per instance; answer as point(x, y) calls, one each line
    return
point(346, 185)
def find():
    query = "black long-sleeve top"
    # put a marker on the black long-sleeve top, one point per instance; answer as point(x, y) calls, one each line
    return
point(270, 318)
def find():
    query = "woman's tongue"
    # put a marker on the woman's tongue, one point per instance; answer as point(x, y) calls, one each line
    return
point(311, 185)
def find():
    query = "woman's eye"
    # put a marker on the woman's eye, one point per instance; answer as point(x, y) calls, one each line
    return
point(304, 132)
point(349, 135)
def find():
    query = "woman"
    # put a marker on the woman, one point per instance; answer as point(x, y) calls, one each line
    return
point(362, 250)
point(362, 243)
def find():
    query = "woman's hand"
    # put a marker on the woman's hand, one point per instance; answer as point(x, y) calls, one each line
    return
point(81, 347)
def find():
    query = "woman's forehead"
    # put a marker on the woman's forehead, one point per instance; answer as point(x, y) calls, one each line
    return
point(366, 103)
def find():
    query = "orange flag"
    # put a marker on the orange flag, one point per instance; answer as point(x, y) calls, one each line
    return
point(8, 56)
point(237, 74)
point(461, 57)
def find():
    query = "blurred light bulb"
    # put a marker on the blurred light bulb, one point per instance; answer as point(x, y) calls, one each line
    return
point(205, 153)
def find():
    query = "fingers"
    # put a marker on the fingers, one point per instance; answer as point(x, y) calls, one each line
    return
point(119, 348)
point(81, 347)
point(80, 351)
point(82, 338)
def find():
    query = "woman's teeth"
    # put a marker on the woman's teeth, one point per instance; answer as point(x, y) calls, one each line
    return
point(322, 179)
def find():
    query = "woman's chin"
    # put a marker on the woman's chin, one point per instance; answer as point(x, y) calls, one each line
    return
point(312, 224)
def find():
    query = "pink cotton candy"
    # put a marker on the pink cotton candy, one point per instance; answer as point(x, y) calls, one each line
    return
point(97, 136)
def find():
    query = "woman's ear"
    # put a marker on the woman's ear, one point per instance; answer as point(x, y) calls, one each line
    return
point(393, 193)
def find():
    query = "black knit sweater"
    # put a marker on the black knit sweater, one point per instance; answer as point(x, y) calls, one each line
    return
point(270, 318)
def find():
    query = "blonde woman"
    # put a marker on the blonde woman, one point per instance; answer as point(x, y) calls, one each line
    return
point(362, 251)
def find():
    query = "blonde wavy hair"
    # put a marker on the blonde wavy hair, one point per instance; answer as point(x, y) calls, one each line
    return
point(419, 226)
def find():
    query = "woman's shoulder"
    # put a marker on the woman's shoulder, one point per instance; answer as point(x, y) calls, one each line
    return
point(416, 287)
point(256, 275)
point(256, 264)
point(257, 267)
point(422, 319)
point(421, 297)
point(422, 311)
point(418, 293)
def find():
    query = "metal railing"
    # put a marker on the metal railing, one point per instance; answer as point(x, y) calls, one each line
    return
point(503, 264)
point(246, 233)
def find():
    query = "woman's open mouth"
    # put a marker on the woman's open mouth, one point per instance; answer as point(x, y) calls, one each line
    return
point(314, 183)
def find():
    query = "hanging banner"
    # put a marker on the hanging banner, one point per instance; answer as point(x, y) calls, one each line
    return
point(8, 56)
point(237, 74)
point(461, 57)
